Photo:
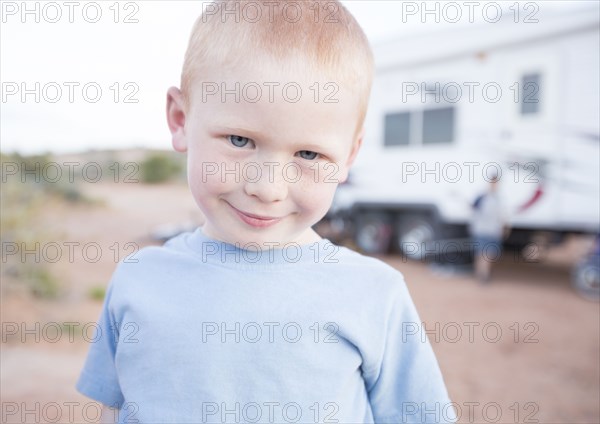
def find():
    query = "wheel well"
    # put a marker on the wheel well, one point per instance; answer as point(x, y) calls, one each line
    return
point(395, 211)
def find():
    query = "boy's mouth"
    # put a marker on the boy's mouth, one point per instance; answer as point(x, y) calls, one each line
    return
point(258, 221)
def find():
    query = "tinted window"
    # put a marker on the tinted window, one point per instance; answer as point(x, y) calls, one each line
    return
point(397, 129)
point(530, 91)
point(438, 126)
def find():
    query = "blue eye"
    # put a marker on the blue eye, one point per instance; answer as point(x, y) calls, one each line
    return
point(238, 141)
point(308, 155)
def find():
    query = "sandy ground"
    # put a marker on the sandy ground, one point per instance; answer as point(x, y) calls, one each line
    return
point(524, 348)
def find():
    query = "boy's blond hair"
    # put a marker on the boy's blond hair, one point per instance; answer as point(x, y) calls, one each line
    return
point(315, 38)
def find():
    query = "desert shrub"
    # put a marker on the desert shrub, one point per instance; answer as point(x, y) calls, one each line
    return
point(32, 178)
point(159, 168)
point(42, 283)
point(97, 293)
point(23, 201)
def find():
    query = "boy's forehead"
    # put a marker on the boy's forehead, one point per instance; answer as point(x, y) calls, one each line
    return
point(293, 82)
point(281, 122)
point(269, 101)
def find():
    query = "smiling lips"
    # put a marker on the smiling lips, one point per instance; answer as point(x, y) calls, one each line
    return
point(256, 220)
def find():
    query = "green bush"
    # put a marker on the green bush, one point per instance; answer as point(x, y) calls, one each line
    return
point(43, 284)
point(97, 293)
point(35, 184)
point(159, 168)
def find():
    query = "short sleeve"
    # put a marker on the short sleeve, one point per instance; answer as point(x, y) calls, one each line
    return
point(98, 379)
point(409, 387)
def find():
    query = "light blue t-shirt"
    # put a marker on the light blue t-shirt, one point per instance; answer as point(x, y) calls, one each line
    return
point(200, 331)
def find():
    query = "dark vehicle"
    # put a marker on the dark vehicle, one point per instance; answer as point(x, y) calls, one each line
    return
point(586, 275)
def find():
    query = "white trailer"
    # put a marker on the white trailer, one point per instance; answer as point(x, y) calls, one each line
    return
point(450, 109)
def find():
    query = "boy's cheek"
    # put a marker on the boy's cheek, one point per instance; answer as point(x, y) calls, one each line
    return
point(341, 174)
point(318, 196)
point(206, 171)
point(329, 173)
point(204, 179)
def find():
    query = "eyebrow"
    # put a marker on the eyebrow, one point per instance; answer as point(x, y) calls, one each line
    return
point(233, 130)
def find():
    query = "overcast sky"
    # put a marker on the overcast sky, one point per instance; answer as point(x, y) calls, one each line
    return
point(119, 62)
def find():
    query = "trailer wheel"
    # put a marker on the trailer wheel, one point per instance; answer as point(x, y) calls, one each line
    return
point(373, 233)
point(413, 233)
point(586, 279)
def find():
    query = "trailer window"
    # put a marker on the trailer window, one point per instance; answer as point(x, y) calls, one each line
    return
point(397, 129)
point(438, 125)
point(530, 90)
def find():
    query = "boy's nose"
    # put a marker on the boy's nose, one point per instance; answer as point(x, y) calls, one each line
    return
point(269, 186)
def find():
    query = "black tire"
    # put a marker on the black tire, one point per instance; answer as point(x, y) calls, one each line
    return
point(586, 279)
point(415, 235)
point(373, 233)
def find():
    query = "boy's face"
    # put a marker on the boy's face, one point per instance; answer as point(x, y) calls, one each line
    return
point(263, 167)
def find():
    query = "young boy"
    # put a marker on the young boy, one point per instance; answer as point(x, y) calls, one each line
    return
point(254, 317)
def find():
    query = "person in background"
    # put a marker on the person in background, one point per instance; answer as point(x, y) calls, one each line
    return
point(488, 228)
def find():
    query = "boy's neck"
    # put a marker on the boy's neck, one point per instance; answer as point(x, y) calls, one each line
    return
point(310, 236)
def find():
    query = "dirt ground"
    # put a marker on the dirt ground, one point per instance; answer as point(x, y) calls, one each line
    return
point(522, 349)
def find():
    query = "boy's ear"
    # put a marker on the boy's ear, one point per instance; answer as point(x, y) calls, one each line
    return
point(353, 153)
point(176, 119)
